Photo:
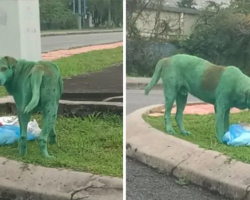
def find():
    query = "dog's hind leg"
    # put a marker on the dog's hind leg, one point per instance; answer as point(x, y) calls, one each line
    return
point(170, 96)
point(220, 115)
point(226, 120)
point(49, 118)
point(23, 120)
point(181, 101)
point(52, 136)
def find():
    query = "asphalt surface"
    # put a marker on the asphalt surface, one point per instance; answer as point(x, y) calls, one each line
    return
point(52, 43)
point(145, 183)
point(95, 86)
point(136, 99)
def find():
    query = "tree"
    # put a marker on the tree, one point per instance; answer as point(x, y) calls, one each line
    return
point(242, 6)
point(187, 4)
point(222, 36)
point(56, 11)
point(100, 10)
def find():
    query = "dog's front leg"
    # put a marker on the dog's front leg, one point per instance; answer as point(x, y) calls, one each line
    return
point(220, 121)
point(24, 119)
point(226, 120)
point(169, 101)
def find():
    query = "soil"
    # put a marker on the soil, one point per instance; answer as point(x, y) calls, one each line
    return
point(95, 86)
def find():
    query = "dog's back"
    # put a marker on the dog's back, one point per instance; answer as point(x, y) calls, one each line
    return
point(41, 81)
point(189, 74)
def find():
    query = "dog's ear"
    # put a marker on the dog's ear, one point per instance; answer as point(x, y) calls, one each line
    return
point(10, 61)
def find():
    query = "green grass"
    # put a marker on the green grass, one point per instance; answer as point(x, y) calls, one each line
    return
point(92, 61)
point(202, 128)
point(91, 145)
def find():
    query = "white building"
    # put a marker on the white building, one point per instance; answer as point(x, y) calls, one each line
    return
point(200, 3)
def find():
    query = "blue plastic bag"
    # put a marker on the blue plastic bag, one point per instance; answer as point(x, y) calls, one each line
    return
point(9, 134)
point(237, 136)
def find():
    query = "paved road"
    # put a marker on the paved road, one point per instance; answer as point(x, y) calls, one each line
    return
point(136, 99)
point(51, 43)
point(145, 183)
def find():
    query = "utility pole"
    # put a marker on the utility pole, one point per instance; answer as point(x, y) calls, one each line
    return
point(109, 20)
point(74, 6)
point(84, 13)
point(79, 14)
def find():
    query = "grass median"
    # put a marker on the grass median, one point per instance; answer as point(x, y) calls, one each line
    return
point(202, 128)
point(92, 145)
point(92, 61)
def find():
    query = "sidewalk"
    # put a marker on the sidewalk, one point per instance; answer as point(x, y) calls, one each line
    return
point(27, 181)
point(191, 108)
point(74, 32)
point(54, 55)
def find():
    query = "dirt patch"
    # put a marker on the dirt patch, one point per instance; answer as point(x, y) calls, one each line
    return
point(95, 86)
point(191, 108)
point(110, 80)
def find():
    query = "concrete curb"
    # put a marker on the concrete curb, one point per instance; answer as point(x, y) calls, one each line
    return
point(70, 108)
point(25, 181)
point(180, 158)
point(140, 83)
point(51, 33)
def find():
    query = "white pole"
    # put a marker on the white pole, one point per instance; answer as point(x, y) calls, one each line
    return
point(79, 14)
point(20, 29)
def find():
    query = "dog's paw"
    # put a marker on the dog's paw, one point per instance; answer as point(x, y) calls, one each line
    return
point(22, 146)
point(186, 132)
point(49, 157)
point(22, 151)
point(170, 130)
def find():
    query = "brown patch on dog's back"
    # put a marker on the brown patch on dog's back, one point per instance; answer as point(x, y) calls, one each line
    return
point(167, 61)
point(42, 66)
point(211, 77)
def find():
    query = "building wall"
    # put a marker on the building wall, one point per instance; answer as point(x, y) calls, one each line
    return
point(181, 22)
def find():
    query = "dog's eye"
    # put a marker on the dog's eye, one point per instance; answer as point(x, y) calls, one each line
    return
point(3, 69)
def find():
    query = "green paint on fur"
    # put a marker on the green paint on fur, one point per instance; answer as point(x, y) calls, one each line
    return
point(35, 86)
point(224, 87)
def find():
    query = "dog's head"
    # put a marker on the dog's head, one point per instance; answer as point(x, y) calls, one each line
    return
point(6, 68)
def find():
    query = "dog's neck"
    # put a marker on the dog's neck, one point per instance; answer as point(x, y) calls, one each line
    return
point(17, 73)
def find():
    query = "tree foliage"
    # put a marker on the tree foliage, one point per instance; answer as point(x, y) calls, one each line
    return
point(186, 4)
point(60, 13)
point(56, 12)
point(222, 36)
point(100, 11)
point(143, 52)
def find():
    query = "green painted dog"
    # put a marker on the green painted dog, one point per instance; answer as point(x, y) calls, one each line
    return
point(224, 87)
point(35, 86)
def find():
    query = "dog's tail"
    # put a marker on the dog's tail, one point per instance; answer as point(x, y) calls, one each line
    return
point(156, 76)
point(36, 80)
